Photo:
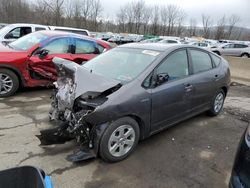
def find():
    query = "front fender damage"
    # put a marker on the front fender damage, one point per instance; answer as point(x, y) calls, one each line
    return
point(76, 100)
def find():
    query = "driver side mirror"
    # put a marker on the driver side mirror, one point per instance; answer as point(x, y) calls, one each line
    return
point(161, 78)
point(42, 53)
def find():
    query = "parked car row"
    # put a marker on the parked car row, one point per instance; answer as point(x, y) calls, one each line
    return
point(11, 32)
point(27, 62)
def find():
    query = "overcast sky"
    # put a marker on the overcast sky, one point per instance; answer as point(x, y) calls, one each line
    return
point(194, 8)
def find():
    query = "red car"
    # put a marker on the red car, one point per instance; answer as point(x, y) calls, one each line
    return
point(27, 61)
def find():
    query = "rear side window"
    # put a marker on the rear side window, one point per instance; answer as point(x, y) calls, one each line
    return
point(176, 65)
point(39, 28)
point(240, 46)
point(85, 47)
point(201, 61)
point(216, 60)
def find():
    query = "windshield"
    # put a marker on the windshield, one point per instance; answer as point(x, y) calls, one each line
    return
point(5, 29)
point(122, 64)
point(26, 42)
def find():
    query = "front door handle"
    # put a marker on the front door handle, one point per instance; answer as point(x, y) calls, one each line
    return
point(188, 87)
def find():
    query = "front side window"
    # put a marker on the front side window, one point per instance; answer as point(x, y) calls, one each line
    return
point(39, 29)
point(58, 46)
point(201, 61)
point(176, 65)
point(229, 46)
point(85, 47)
point(18, 32)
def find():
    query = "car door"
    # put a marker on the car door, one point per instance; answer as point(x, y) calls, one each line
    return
point(171, 100)
point(228, 49)
point(43, 66)
point(203, 79)
point(84, 50)
point(239, 49)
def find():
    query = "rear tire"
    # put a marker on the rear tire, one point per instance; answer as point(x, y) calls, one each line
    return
point(245, 55)
point(119, 139)
point(217, 103)
point(9, 83)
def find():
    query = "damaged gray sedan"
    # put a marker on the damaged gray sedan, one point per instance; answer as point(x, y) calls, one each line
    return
point(131, 92)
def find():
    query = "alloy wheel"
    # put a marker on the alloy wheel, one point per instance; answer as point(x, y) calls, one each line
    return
point(218, 102)
point(6, 83)
point(121, 140)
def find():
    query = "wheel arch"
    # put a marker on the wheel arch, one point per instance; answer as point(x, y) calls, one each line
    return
point(15, 70)
point(141, 125)
point(225, 89)
point(245, 53)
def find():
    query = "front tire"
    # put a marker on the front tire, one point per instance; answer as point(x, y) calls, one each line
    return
point(217, 103)
point(9, 83)
point(119, 139)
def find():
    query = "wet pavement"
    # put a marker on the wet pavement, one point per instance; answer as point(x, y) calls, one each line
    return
point(195, 153)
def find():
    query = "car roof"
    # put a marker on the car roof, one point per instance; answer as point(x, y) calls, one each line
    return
point(67, 28)
point(153, 46)
point(53, 33)
point(26, 24)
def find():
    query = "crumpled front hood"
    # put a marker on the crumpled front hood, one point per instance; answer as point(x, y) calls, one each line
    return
point(74, 81)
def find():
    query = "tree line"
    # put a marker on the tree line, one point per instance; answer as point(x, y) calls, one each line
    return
point(133, 17)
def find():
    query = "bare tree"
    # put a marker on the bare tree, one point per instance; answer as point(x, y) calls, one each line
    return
point(122, 19)
point(220, 30)
point(207, 24)
point(192, 27)
point(232, 21)
point(147, 15)
point(56, 7)
point(95, 14)
point(86, 6)
point(172, 16)
point(181, 17)
point(155, 21)
point(138, 9)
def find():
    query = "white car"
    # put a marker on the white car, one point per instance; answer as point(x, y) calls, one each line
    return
point(200, 44)
point(232, 49)
point(70, 30)
point(11, 32)
point(169, 41)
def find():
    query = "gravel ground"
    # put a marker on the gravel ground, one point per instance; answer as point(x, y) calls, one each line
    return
point(196, 153)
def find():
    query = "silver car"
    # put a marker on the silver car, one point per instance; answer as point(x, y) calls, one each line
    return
point(232, 49)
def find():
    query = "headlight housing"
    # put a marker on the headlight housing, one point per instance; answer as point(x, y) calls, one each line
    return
point(248, 136)
point(248, 132)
